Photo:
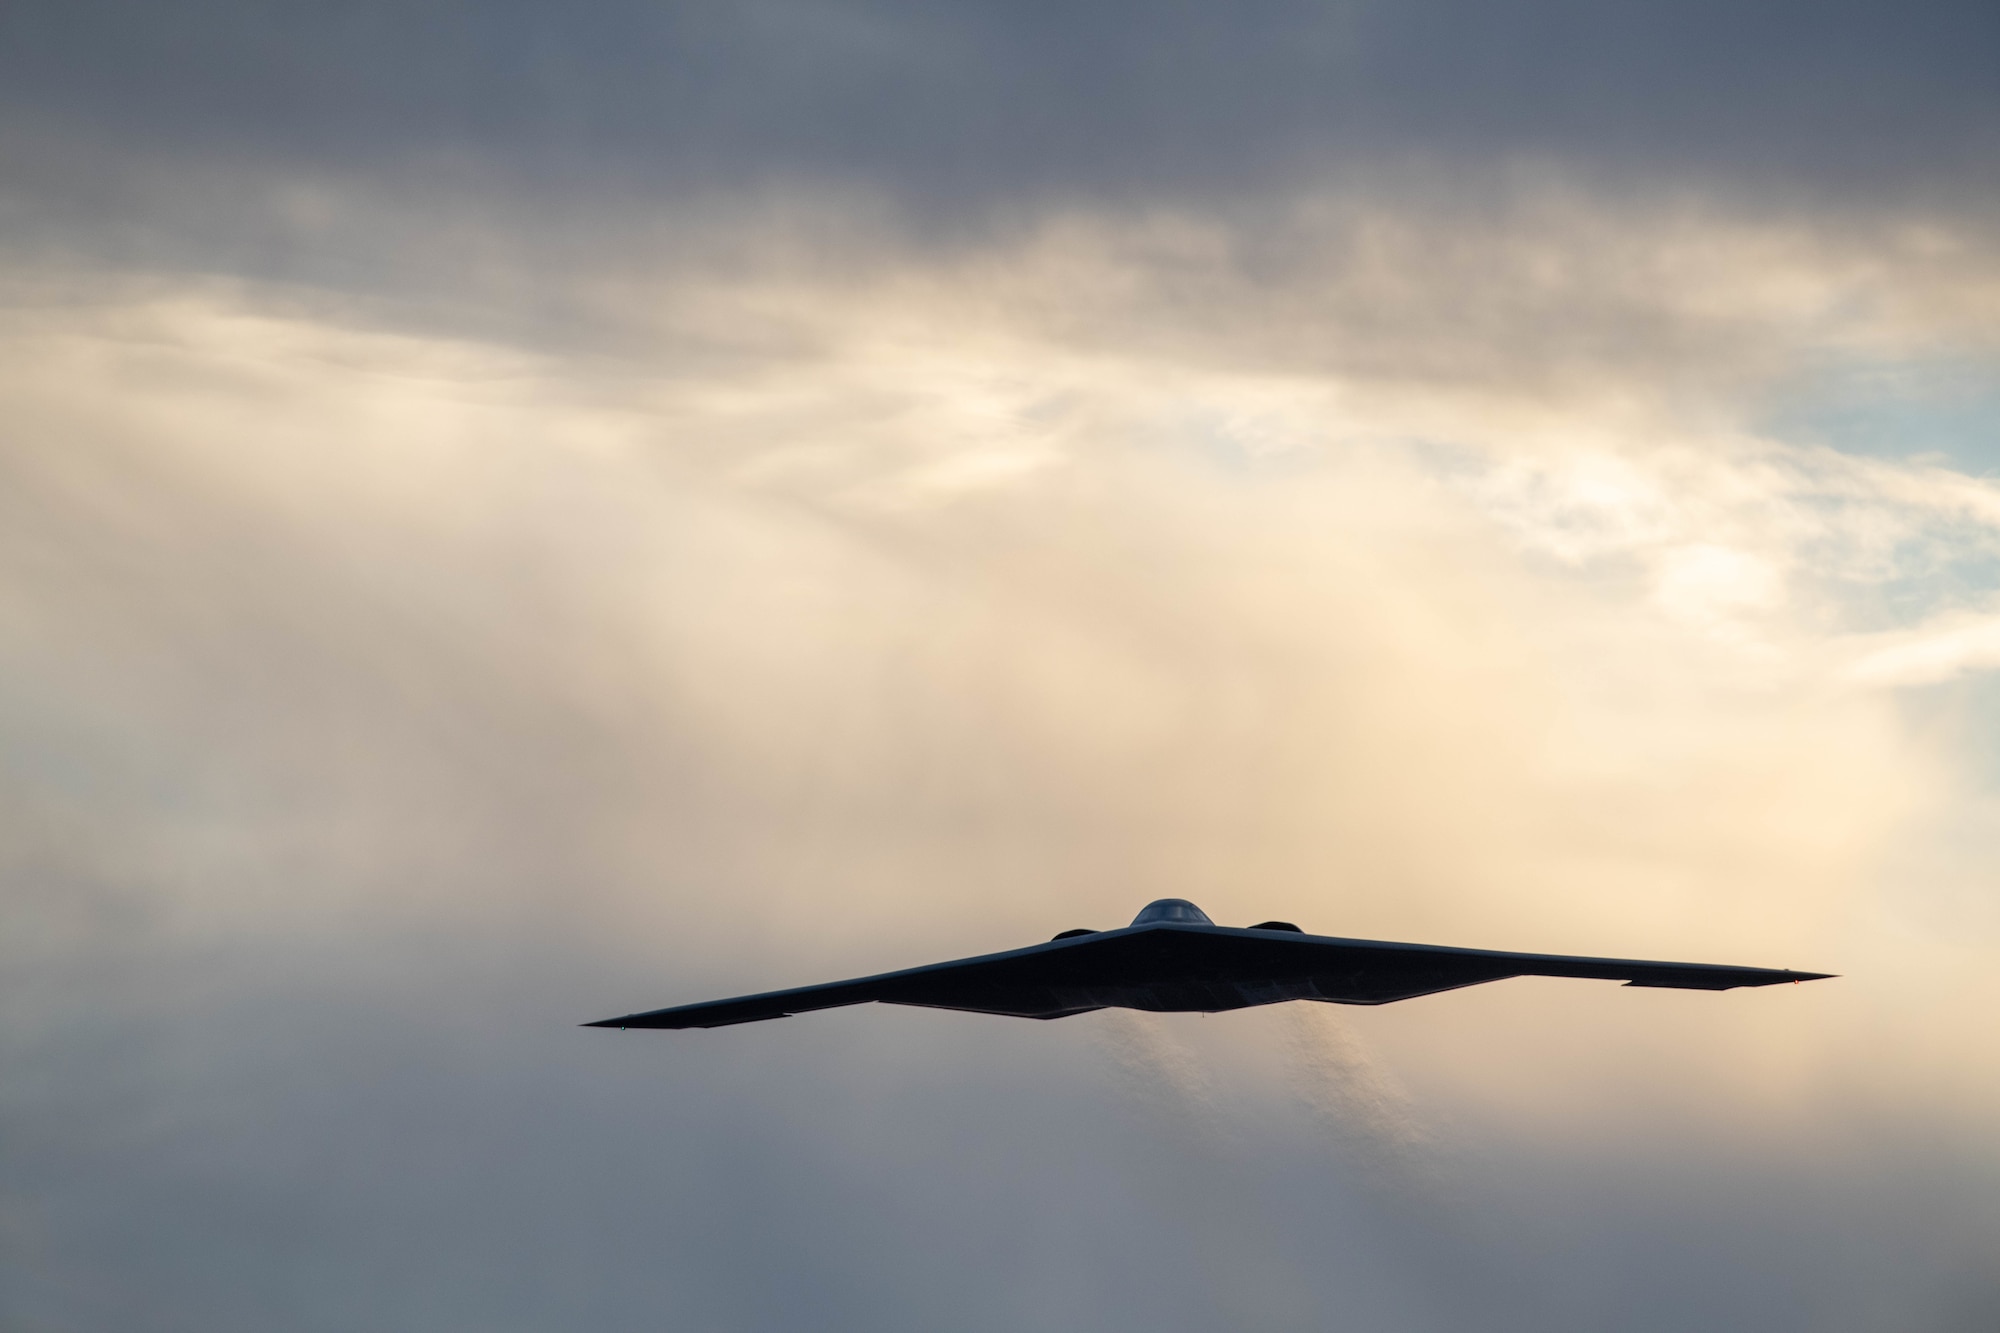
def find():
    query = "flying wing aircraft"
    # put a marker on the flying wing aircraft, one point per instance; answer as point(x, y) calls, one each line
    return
point(1173, 959)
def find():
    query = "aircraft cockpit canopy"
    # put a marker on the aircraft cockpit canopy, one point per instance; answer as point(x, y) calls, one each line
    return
point(1178, 911)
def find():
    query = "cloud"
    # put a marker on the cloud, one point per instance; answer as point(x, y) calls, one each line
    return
point(971, 107)
point(1933, 653)
point(392, 679)
point(508, 517)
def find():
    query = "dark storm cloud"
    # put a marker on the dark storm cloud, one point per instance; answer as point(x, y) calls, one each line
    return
point(968, 105)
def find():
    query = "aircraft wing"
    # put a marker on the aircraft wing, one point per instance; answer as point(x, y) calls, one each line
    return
point(1189, 968)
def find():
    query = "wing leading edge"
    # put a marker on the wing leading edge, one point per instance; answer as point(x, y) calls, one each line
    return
point(1176, 967)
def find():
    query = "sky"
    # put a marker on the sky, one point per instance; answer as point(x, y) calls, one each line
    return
point(512, 514)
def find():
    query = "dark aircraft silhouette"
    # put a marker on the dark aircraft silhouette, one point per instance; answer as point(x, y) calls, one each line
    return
point(1173, 959)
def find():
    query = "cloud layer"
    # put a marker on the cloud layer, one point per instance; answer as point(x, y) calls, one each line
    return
point(991, 104)
point(820, 619)
point(504, 522)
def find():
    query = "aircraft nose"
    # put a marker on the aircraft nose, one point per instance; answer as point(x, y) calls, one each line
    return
point(1178, 910)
